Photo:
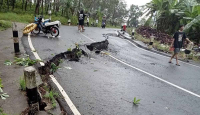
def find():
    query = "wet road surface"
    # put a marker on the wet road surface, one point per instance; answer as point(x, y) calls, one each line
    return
point(104, 86)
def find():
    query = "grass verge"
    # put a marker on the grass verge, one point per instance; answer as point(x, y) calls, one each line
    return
point(22, 84)
point(51, 96)
point(29, 18)
point(1, 112)
point(5, 25)
point(165, 48)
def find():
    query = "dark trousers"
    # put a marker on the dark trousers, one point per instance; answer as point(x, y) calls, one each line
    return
point(88, 24)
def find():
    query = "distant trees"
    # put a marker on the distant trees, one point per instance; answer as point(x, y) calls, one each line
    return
point(169, 14)
point(114, 10)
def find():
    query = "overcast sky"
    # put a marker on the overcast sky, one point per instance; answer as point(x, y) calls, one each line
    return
point(136, 2)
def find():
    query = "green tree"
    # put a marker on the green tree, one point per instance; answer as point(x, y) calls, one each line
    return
point(134, 14)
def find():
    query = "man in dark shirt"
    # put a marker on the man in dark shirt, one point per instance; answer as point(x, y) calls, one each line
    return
point(177, 43)
point(81, 20)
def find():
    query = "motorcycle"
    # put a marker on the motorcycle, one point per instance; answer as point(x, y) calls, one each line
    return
point(46, 27)
point(36, 31)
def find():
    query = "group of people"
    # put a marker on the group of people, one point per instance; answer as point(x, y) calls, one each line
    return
point(177, 43)
point(81, 20)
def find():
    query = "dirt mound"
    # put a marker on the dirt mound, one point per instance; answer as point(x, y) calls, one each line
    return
point(159, 36)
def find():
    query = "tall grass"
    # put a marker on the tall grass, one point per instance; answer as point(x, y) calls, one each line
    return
point(5, 24)
point(13, 17)
point(29, 18)
point(22, 84)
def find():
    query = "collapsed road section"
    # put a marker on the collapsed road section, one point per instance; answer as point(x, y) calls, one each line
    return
point(74, 55)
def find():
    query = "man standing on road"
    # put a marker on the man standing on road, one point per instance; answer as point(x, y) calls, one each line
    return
point(177, 43)
point(81, 20)
point(69, 22)
point(97, 22)
point(88, 21)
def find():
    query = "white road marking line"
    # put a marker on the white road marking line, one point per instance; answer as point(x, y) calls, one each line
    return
point(33, 49)
point(160, 54)
point(87, 37)
point(176, 86)
point(66, 97)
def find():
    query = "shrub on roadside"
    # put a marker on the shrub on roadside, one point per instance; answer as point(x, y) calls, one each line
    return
point(5, 24)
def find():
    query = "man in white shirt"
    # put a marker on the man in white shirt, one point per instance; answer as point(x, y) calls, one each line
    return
point(97, 21)
point(69, 22)
point(133, 32)
point(88, 20)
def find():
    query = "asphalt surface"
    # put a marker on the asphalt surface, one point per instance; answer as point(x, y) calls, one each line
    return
point(102, 85)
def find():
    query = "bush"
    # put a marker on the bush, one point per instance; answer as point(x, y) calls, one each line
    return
point(5, 24)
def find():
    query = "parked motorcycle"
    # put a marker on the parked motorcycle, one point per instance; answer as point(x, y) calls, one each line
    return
point(46, 27)
point(56, 23)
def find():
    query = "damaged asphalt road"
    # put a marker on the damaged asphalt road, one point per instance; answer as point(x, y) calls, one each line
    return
point(101, 85)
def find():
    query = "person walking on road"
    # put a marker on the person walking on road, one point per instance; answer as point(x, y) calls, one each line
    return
point(81, 20)
point(177, 43)
point(97, 21)
point(69, 22)
point(88, 21)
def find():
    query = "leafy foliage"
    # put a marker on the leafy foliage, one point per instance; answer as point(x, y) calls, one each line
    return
point(69, 49)
point(60, 61)
point(1, 85)
point(136, 101)
point(7, 62)
point(25, 61)
point(53, 67)
point(114, 10)
point(134, 14)
point(4, 96)
point(51, 96)
point(22, 84)
point(167, 15)
point(1, 112)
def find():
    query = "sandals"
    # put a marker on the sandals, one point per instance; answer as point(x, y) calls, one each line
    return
point(176, 64)
point(170, 62)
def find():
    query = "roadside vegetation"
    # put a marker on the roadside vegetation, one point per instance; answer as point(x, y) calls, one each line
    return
point(22, 62)
point(22, 84)
point(1, 112)
point(24, 11)
point(165, 47)
point(51, 96)
point(4, 24)
point(136, 101)
point(2, 94)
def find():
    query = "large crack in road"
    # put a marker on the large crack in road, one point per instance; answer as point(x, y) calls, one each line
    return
point(102, 85)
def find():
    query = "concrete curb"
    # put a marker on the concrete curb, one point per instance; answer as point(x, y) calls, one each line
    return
point(157, 52)
point(161, 53)
point(60, 101)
